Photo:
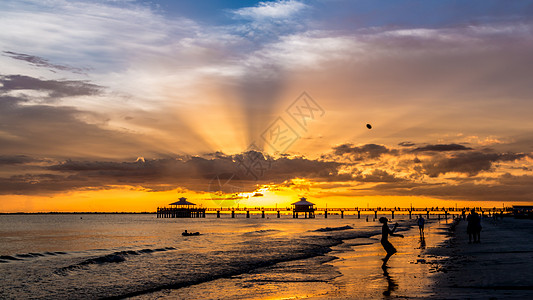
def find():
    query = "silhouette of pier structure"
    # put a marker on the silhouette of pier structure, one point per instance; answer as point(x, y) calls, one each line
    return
point(303, 206)
point(312, 211)
point(186, 209)
point(181, 209)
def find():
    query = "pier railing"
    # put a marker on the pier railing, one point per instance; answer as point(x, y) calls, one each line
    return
point(355, 209)
point(199, 212)
point(180, 212)
point(425, 211)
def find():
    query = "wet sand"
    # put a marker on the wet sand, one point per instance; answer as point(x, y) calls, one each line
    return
point(500, 267)
point(409, 273)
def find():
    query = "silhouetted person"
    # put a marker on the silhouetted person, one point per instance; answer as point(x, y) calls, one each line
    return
point(421, 223)
point(386, 231)
point(474, 227)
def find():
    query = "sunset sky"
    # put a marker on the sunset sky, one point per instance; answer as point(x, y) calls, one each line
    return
point(125, 105)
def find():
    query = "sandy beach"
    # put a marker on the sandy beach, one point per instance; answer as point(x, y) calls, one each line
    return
point(446, 266)
point(499, 267)
point(409, 273)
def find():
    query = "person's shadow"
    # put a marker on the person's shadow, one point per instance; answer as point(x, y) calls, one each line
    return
point(422, 242)
point(391, 285)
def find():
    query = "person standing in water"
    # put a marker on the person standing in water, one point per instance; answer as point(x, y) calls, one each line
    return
point(386, 231)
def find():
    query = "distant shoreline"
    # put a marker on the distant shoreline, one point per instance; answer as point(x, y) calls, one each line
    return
point(79, 213)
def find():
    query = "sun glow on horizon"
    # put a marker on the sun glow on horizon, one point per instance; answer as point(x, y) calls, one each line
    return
point(272, 95)
point(124, 199)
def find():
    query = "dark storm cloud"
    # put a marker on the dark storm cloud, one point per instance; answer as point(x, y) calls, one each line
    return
point(164, 174)
point(157, 170)
point(288, 168)
point(378, 176)
point(470, 163)
point(205, 168)
point(75, 175)
point(54, 88)
point(32, 184)
point(16, 160)
point(41, 62)
point(247, 170)
point(442, 147)
point(367, 151)
point(508, 188)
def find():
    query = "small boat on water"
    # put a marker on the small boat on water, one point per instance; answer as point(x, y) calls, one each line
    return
point(185, 233)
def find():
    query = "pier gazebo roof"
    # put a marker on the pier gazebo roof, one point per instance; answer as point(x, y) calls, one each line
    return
point(183, 201)
point(303, 202)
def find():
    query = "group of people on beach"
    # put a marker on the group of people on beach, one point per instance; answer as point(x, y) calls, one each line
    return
point(474, 227)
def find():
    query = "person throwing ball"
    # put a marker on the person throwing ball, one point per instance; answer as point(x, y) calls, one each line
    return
point(386, 231)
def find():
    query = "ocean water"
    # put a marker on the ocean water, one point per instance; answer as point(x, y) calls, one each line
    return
point(120, 256)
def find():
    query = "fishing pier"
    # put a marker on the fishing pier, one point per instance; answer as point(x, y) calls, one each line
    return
point(181, 209)
point(305, 209)
point(328, 212)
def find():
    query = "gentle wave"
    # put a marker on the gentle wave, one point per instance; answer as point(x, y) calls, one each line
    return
point(115, 257)
point(327, 229)
point(242, 261)
point(7, 257)
point(23, 256)
point(28, 255)
point(262, 232)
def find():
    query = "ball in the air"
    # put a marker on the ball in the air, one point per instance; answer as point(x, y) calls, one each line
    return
point(368, 126)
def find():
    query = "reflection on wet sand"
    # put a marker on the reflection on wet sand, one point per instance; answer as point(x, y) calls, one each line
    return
point(422, 243)
point(391, 284)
